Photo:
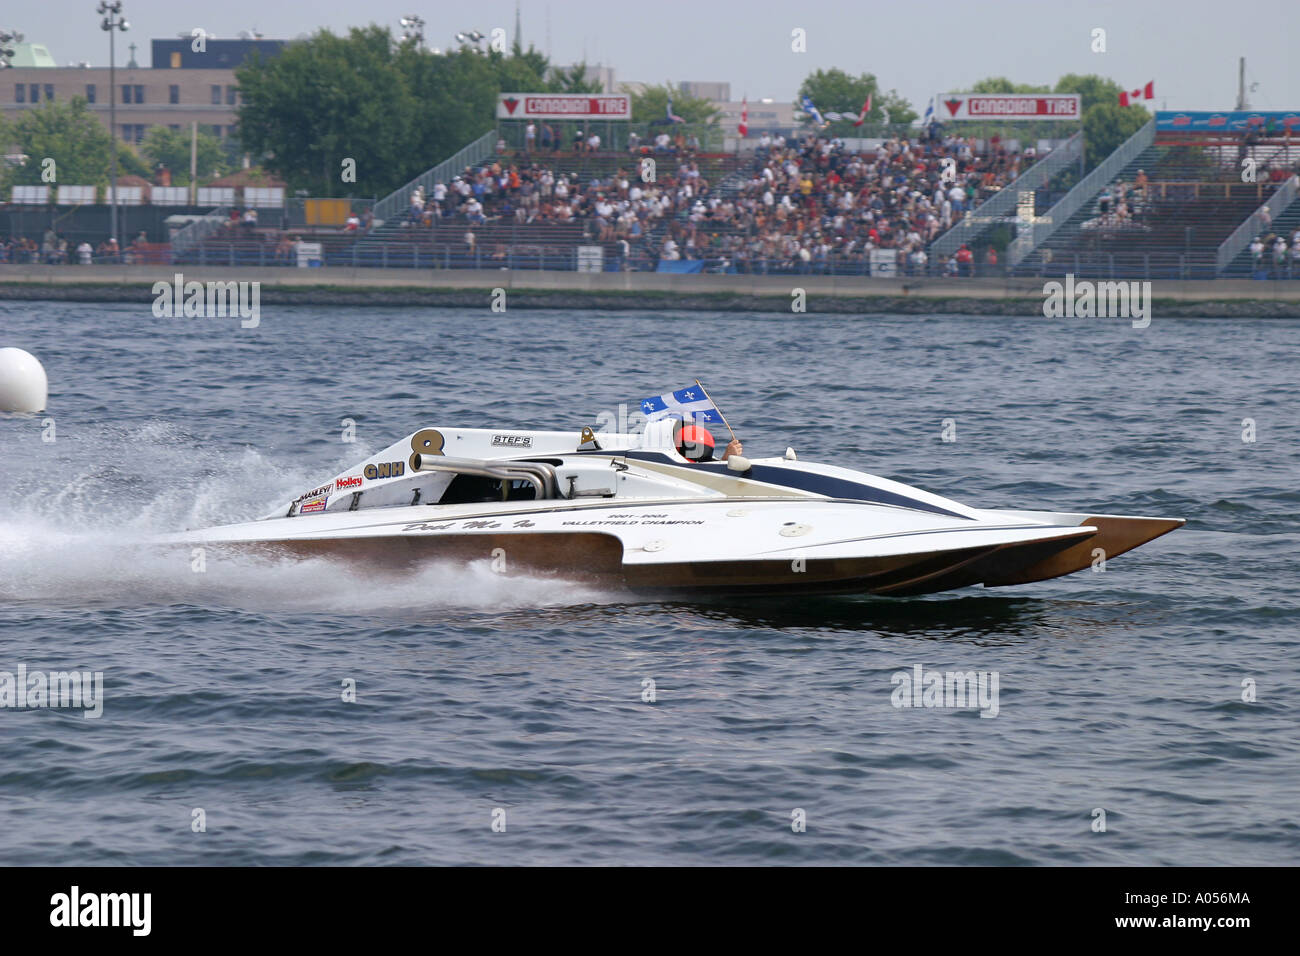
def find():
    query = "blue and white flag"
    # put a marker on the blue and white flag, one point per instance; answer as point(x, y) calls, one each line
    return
point(691, 403)
point(929, 113)
point(812, 111)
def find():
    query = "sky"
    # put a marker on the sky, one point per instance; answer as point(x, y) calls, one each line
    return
point(919, 47)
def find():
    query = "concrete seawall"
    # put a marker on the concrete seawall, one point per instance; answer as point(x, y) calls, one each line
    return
point(632, 290)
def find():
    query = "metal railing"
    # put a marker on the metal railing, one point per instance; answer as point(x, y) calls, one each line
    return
point(190, 236)
point(534, 257)
point(1003, 203)
point(1035, 234)
point(1257, 222)
point(397, 201)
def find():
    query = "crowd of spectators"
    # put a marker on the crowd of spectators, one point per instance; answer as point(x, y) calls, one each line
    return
point(55, 249)
point(813, 205)
point(1270, 254)
point(613, 207)
point(1122, 207)
point(805, 205)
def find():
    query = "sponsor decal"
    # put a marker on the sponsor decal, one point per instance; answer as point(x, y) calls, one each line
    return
point(385, 469)
point(309, 506)
point(351, 481)
point(517, 441)
point(1278, 121)
point(317, 492)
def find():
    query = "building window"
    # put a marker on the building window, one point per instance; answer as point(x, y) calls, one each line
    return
point(49, 92)
point(34, 92)
point(90, 92)
point(139, 94)
point(216, 96)
point(173, 94)
point(20, 93)
point(126, 93)
point(216, 131)
point(132, 94)
point(230, 96)
point(176, 60)
point(174, 127)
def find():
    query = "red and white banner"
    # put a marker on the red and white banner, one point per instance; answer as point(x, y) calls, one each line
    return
point(1010, 106)
point(559, 106)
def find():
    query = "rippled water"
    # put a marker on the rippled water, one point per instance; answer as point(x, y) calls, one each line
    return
point(1119, 690)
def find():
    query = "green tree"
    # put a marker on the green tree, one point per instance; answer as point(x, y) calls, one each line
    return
point(326, 100)
point(572, 79)
point(1000, 84)
point(455, 97)
point(172, 148)
point(1106, 124)
point(394, 108)
point(899, 109)
point(651, 104)
point(66, 133)
point(835, 91)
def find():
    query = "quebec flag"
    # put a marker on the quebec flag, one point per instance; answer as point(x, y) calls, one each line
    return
point(691, 403)
point(812, 111)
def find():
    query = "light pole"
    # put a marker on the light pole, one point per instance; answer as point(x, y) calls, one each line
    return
point(471, 37)
point(413, 28)
point(111, 11)
point(6, 37)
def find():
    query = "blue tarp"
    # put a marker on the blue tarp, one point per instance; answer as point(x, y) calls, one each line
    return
point(680, 265)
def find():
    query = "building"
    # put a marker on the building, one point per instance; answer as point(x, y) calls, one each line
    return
point(764, 116)
point(31, 54)
point(179, 88)
point(717, 92)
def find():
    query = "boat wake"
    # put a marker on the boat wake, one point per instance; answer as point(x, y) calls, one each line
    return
point(82, 531)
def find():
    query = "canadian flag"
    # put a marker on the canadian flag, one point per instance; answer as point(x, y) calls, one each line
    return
point(866, 108)
point(1147, 92)
point(743, 128)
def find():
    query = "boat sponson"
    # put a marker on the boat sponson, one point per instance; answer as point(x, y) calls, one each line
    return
point(1115, 534)
point(1001, 561)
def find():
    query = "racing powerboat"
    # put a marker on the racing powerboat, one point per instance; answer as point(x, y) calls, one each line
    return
point(628, 511)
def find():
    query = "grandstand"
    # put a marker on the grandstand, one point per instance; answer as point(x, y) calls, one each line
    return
point(1167, 205)
point(1170, 203)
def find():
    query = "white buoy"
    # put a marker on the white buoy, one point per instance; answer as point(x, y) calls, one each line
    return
point(23, 385)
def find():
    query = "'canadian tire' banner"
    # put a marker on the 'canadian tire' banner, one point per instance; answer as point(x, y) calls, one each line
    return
point(1009, 106)
point(558, 106)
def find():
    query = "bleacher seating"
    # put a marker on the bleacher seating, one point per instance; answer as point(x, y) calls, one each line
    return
point(1193, 200)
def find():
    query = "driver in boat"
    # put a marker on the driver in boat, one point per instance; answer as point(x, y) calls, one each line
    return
point(695, 443)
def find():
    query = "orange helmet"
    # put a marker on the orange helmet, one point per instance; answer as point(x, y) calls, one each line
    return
point(695, 443)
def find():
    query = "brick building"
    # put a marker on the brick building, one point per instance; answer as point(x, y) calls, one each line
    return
point(180, 87)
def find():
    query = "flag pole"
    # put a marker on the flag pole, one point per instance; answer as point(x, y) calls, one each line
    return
point(715, 405)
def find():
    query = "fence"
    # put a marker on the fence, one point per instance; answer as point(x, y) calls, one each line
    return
point(1035, 234)
point(397, 201)
point(1001, 205)
point(199, 229)
point(1258, 222)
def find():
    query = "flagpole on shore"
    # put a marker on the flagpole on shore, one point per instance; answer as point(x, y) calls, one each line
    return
point(715, 405)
